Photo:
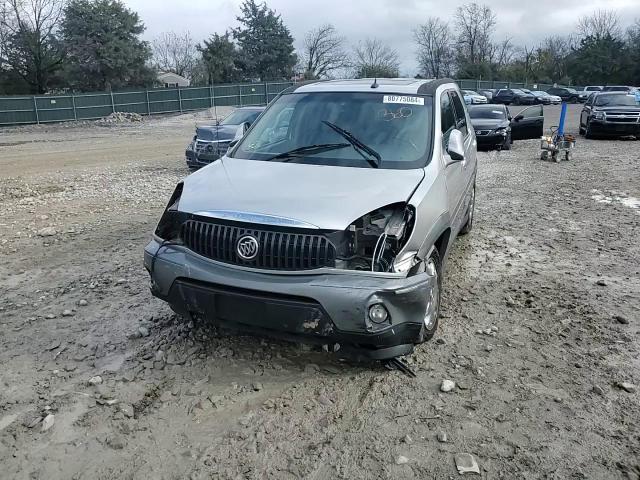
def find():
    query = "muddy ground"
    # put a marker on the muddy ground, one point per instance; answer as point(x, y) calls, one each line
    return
point(539, 330)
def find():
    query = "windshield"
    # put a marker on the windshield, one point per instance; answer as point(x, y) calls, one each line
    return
point(395, 128)
point(491, 113)
point(571, 90)
point(539, 94)
point(616, 101)
point(517, 91)
point(241, 116)
point(469, 92)
point(592, 89)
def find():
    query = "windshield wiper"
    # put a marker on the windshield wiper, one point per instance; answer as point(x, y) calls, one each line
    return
point(308, 150)
point(357, 144)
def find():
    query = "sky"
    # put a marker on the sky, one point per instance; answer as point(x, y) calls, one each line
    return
point(526, 22)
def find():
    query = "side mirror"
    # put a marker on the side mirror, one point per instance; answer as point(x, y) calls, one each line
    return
point(509, 118)
point(455, 146)
point(242, 129)
point(518, 118)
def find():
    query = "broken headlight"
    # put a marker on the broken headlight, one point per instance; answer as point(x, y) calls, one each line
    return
point(372, 242)
point(168, 228)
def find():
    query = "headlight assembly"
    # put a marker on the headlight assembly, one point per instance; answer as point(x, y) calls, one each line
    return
point(168, 228)
point(373, 241)
point(597, 115)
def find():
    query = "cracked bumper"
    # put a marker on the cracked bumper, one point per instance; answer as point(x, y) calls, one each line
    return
point(325, 308)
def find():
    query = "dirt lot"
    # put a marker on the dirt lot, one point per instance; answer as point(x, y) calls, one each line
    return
point(539, 330)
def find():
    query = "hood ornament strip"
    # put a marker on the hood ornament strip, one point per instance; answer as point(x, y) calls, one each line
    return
point(250, 217)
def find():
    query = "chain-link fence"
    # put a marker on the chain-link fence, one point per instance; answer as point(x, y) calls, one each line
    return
point(86, 106)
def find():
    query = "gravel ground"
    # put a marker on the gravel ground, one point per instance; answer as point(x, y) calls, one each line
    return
point(540, 327)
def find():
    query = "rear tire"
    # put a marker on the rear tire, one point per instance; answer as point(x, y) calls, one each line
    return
point(433, 266)
point(470, 213)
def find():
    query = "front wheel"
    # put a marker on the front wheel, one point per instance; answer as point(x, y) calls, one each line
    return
point(433, 267)
point(507, 142)
point(588, 132)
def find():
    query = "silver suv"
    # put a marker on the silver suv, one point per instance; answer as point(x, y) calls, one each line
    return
point(329, 221)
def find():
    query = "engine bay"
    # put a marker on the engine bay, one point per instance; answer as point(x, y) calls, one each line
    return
point(372, 242)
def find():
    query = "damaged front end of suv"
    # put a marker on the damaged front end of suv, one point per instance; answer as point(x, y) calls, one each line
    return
point(314, 233)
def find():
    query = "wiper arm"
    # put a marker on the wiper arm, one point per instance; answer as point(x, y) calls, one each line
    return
point(357, 144)
point(308, 150)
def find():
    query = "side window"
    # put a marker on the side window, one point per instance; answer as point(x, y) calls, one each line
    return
point(532, 112)
point(461, 119)
point(447, 116)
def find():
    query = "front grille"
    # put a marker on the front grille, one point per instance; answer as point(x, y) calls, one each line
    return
point(622, 117)
point(212, 147)
point(277, 250)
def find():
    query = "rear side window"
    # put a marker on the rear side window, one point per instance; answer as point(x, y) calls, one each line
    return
point(461, 118)
point(447, 115)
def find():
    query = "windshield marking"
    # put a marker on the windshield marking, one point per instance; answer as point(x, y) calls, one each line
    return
point(405, 99)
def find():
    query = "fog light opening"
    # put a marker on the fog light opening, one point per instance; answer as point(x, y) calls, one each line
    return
point(378, 313)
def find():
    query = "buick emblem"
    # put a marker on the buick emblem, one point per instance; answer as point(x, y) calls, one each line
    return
point(247, 247)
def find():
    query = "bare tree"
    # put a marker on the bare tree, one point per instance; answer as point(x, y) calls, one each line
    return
point(475, 24)
point(527, 55)
point(28, 39)
point(175, 53)
point(375, 59)
point(503, 53)
point(324, 52)
point(600, 24)
point(435, 56)
point(554, 54)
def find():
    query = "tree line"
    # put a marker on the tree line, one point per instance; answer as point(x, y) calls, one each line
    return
point(598, 52)
point(88, 45)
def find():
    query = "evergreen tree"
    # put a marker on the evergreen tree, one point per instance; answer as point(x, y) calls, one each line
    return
point(266, 46)
point(102, 39)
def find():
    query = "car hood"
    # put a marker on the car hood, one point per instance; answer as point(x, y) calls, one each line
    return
point(216, 132)
point(291, 193)
point(488, 123)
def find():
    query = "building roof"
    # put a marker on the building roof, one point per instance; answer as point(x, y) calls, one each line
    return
point(384, 85)
point(163, 76)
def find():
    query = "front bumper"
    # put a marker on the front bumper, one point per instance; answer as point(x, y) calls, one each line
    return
point(490, 140)
point(599, 127)
point(198, 160)
point(321, 308)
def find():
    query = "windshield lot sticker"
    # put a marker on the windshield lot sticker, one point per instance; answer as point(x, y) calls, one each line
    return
point(407, 100)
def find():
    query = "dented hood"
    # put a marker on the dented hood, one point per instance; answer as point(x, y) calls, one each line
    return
point(326, 197)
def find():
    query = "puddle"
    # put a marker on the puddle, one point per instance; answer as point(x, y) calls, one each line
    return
point(615, 197)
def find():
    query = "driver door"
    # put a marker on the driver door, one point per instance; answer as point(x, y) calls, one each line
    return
point(528, 123)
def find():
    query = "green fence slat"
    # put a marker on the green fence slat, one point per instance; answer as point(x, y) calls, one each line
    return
point(16, 110)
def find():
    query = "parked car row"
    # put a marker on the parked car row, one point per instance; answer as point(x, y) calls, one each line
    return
point(554, 95)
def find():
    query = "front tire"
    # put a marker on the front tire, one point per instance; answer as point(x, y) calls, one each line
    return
point(587, 131)
point(507, 142)
point(433, 266)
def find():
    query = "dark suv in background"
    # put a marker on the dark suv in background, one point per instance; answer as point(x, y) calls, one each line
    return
point(212, 141)
point(610, 114)
point(568, 95)
point(513, 96)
